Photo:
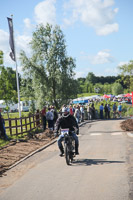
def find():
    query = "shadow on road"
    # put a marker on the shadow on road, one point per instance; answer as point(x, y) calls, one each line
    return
point(87, 162)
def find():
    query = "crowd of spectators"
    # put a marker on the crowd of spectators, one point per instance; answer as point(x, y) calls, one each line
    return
point(49, 114)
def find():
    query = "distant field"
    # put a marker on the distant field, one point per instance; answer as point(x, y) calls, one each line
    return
point(88, 94)
point(15, 115)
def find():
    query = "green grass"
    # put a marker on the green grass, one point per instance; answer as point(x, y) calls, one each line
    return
point(15, 115)
point(88, 94)
point(14, 135)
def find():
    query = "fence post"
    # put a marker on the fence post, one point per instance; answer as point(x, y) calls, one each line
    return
point(21, 125)
point(10, 126)
point(26, 123)
point(34, 120)
point(30, 121)
point(16, 124)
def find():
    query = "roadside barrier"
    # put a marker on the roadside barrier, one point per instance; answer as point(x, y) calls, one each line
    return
point(20, 126)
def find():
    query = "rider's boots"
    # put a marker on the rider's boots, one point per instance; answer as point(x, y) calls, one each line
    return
point(76, 150)
point(62, 151)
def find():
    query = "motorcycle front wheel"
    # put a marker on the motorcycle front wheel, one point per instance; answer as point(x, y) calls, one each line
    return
point(67, 155)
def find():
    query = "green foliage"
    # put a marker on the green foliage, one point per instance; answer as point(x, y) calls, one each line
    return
point(93, 83)
point(126, 72)
point(15, 115)
point(129, 111)
point(91, 78)
point(1, 57)
point(7, 89)
point(32, 107)
point(49, 72)
point(87, 94)
point(117, 89)
point(107, 88)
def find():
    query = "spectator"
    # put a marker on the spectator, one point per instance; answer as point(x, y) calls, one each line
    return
point(63, 108)
point(2, 128)
point(74, 108)
point(114, 110)
point(106, 111)
point(119, 109)
point(93, 111)
point(71, 110)
point(50, 118)
point(89, 110)
point(55, 115)
point(101, 111)
point(77, 114)
point(82, 113)
point(43, 112)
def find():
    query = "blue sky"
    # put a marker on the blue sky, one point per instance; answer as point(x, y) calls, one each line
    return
point(98, 33)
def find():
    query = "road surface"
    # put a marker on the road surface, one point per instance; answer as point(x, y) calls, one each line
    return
point(100, 172)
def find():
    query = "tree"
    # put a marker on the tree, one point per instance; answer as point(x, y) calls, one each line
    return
point(27, 90)
point(91, 78)
point(98, 88)
point(1, 57)
point(117, 88)
point(49, 68)
point(7, 91)
point(107, 88)
point(126, 72)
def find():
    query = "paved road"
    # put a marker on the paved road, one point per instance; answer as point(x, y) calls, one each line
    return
point(100, 172)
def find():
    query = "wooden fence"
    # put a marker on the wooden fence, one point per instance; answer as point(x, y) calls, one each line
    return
point(17, 126)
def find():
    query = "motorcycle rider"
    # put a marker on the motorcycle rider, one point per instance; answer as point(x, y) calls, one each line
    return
point(67, 121)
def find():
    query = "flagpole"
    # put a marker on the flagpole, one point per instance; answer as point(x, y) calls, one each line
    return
point(16, 74)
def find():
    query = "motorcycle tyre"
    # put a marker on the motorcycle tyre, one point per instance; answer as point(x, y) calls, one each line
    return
point(67, 155)
point(71, 157)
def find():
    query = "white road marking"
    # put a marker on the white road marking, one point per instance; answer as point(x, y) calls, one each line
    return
point(93, 134)
point(117, 133)
point(99, 134)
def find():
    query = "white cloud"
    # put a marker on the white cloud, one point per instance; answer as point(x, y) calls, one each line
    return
point(112, 71)
point(123, 63)
point(94, 13)
point(101, 57)
point(4, 40)
point(27, 23)
point(4, 46)
point(82, 73)
point(107, 29)
point(21, 43)
point(79, 74)
point(45, 12)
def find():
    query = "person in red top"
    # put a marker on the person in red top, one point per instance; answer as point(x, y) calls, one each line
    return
point(71, 110)
point(43, 112)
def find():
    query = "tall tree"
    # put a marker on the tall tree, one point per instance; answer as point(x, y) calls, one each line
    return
point(7, 90)
point(126, 72)
point(49, 67)
point(1, 57)
point(90, 78)
point(117, 88)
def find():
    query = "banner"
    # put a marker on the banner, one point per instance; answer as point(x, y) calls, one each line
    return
point(11, 39)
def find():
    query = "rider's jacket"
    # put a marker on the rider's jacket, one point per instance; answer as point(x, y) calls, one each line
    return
point(67, 121)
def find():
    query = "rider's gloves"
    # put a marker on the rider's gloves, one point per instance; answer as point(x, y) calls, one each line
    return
point(77, 132)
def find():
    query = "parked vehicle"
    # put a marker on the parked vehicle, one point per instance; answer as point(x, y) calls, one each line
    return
point(69, 145)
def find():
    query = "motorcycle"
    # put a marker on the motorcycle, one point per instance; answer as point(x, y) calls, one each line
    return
point(69, 146)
